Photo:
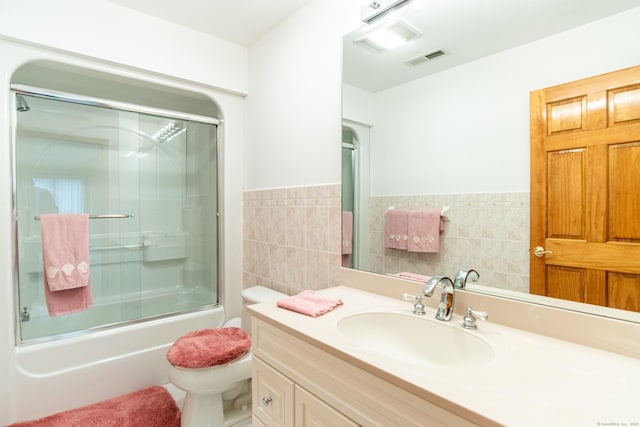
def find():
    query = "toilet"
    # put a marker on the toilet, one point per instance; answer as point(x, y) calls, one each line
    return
point(220, 395)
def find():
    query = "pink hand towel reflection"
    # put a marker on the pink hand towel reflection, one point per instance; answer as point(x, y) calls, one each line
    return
point(310, 303)
point(424, 227)
point(395, 229)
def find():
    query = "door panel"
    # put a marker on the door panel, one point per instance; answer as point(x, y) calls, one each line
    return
point(585, 190)
point(623, 184)
point(567, 189)
point(623, 291)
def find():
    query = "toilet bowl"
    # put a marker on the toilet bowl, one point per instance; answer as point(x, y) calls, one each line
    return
point(221, 391)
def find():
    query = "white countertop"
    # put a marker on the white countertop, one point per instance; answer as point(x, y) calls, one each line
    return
point(533, 380)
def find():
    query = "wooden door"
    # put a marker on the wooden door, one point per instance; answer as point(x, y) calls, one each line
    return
point(585, 190)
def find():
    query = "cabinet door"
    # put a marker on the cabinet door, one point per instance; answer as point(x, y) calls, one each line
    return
point(272, 396)
point(255, 422)
point(313, 412)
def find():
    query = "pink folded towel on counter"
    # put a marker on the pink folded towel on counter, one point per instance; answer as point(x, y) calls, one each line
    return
point(65, 256)
point(424, 227)
point(411, 276)
point(395, 229)
point(310, 303)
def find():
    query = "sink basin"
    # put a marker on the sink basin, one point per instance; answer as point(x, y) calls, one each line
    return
point(416, 340)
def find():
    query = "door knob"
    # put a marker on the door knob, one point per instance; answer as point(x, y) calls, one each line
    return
point(540, 252)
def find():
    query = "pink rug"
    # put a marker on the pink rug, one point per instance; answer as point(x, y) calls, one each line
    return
point(150, 407)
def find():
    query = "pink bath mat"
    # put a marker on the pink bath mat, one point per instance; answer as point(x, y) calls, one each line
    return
point(149, 407)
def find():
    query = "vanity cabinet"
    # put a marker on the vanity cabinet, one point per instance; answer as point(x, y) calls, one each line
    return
point(301, 382)
point(279, 402)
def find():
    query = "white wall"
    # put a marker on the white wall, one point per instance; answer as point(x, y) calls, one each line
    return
point(467, 129)
point(358, 104)
point(108, 37)
point(104, 30)
point(294, 104)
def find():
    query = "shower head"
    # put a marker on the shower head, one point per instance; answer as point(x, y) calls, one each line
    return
point(21, 104)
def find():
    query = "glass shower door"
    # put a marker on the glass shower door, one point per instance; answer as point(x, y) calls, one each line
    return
point(150, 183)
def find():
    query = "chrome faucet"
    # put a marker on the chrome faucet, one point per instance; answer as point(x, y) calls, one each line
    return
point(460, 281)
point(447, 298)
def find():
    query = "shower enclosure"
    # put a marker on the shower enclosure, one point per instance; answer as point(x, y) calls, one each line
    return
point(348, 182)
point(149, 180)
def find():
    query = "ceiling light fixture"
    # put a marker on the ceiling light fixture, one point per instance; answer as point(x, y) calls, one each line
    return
point(389, 35)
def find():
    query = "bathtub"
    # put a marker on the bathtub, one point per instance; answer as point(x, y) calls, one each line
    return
point(108, 312)
point(67, 373)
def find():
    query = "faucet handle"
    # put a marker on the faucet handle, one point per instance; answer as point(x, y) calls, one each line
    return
point(469, 320)
point(418, 307)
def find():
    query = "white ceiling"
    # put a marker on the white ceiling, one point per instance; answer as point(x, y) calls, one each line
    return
point(464, 29)
point(240, 21)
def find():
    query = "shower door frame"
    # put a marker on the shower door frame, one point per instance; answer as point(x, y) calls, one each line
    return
point(21, 89)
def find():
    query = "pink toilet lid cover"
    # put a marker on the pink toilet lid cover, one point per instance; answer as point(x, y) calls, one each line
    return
point(209, 347)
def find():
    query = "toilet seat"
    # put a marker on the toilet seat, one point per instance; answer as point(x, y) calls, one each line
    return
point(206, 348)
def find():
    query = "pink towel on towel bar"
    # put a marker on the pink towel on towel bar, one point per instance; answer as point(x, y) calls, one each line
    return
point(395, 228)
point(65, 256)
point(424, 227)
point(310, 303)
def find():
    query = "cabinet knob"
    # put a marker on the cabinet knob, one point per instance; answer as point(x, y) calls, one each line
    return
point(266, 400)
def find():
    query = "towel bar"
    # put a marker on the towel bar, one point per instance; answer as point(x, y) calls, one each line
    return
point(108, 216)
point(443, 211)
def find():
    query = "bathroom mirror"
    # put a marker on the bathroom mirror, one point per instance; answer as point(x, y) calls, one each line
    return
point(443, 121)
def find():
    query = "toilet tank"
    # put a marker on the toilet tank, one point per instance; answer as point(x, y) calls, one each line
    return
point(255, 295)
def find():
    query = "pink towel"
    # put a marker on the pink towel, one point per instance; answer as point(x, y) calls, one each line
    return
point(310, 303)
point(423, 227)
point(65, 256)
point(347, 232)
point(412, 276)
point(395, 228)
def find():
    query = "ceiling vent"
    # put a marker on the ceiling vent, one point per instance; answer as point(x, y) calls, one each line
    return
point(426, 57)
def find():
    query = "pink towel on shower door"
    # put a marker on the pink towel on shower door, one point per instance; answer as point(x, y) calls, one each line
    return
point(65, 256)
point(423, 228)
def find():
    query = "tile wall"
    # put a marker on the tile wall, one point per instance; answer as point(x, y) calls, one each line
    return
point(291, 237)
point(485, 231)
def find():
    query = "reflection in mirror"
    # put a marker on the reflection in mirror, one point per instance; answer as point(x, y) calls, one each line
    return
point(453, 131)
